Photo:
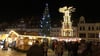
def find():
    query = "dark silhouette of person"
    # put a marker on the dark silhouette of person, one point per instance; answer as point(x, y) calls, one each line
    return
point(45, 48)
point(82, 49)
point(89, 49)
point(75, 48)
point(59, 49)
point(69, 47)
point(35, 50)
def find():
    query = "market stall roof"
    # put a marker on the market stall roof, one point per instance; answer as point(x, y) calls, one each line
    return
point(20, 32)
point(67, 38)
point(3, 36)
point(27, 33)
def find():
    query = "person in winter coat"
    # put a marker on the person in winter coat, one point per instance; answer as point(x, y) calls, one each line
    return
point(35, 50)
point(59, 49)
point(45, 49)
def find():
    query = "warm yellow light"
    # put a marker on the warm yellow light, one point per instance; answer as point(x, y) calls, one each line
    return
point(9, 40)
point(12, 31)
point(30, 43)
point(3, 36)
point(66, 24)
point(54, 38)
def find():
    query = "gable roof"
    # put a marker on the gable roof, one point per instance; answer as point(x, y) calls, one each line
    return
point(20, 32)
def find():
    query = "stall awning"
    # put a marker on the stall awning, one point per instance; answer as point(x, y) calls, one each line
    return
point(3, 36)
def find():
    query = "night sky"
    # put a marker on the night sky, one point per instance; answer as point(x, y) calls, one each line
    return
point(12, 10)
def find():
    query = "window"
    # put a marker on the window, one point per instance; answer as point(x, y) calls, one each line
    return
point(97, 35)
point(83, 28)
point(89, 28)
point(81, 21)
point(97, 28)
point(91, 35)
point(92, 28)
point(80, 28)
point(82, 35)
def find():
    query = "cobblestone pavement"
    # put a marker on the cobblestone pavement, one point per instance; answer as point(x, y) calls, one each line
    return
point(10, 52)
point(51, 53)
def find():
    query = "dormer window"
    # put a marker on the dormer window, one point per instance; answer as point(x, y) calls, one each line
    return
point(82, 19)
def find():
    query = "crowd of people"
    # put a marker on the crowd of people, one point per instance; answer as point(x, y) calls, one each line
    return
point(38, 49)
point(81, 48)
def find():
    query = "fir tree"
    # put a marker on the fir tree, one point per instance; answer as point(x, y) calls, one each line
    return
point(45, 22)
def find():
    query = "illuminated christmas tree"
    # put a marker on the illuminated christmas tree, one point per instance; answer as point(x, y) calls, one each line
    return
point(45, 22)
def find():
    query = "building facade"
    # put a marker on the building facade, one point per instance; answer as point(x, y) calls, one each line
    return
point(88, 31)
